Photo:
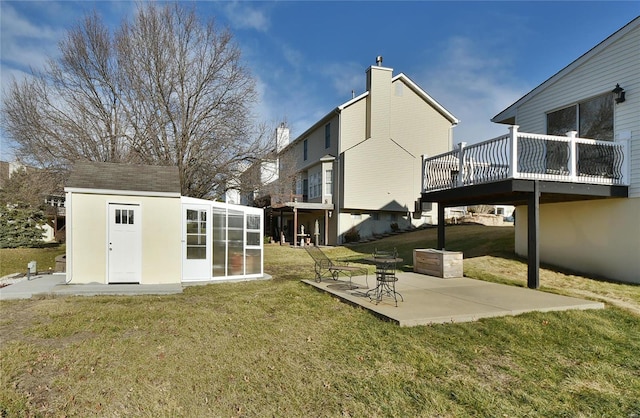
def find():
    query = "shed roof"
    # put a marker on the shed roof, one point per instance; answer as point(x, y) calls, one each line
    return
point(112, 176)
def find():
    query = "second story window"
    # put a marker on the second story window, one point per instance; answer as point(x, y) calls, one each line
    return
point(327, 135)
point(305, 149)
point(328, 182)
point(315, 185)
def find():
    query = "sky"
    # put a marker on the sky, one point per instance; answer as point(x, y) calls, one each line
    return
point(474, 58)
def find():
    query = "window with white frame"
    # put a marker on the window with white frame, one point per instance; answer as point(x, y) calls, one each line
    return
point(305, 150)
point(315, 185)
point(328, 185)
point(299, 185)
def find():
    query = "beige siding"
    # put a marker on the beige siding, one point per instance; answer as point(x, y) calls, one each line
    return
point(353, 125)
point(384, 173)
point(379, 102)
point(380, 175)
point(600, 238)
point(416, 125)
point(315, 145)
point(161, 237)
point(618, 63)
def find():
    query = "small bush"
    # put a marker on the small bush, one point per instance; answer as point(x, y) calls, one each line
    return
point(352, 235)
point(394, 227)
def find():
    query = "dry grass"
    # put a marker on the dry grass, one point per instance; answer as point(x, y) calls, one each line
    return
point(279, 348)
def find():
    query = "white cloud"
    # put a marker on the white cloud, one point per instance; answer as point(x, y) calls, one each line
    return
point(242, 16)
point(345, 77)
point(474, 83)
point(24, 42)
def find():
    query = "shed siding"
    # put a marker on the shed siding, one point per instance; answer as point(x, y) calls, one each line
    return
point(161, 254)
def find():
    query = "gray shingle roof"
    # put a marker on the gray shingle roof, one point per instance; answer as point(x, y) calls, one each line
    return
point(112, 176)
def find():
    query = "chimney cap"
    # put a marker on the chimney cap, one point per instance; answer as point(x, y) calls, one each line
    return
point(379, 60)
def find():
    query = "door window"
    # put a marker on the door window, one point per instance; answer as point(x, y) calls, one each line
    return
point(124, 216)
point(196, 234)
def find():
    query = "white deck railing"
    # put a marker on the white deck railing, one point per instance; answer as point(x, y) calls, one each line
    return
point(520, 155)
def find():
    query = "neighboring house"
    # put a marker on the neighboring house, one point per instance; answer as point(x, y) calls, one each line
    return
point(129, 224)
point(256, 180)
point(358, 169)
point(575, 175)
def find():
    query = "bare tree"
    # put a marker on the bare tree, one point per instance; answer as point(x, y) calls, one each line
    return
point(165, 88)
point(272, 178)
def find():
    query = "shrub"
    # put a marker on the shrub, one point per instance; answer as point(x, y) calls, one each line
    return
point(352, 235)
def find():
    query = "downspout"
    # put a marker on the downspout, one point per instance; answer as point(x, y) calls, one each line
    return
point(68, 239)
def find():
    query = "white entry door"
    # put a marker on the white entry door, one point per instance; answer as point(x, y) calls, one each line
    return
point(196, 251)
point(125, 244)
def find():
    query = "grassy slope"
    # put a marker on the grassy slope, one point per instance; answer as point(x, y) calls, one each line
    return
point(14, 260)
point(282, 348)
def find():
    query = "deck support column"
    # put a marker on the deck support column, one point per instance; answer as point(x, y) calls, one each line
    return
point(295, 227)
point(440, 226)
point(533, 232)
point(326, 227)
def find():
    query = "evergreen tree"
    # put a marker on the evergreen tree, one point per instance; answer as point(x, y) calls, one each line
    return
point(19, 226)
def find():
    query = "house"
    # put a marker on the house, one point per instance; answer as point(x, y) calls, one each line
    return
point(130, 224)
point(570, 163)
point(356, 172)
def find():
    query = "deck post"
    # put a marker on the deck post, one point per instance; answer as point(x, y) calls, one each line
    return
point(573, 154)
point(513, 151)
point(533, 232)
point(326, 227)
point(440, 226)
point(461, 164)
point(424, 173)
point(295, 226)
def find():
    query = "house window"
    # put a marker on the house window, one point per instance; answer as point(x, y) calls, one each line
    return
point(315, 185)
point(328, 185)
point(299, 186)
point(327, 135)
point(591, 118)
point(305, 148)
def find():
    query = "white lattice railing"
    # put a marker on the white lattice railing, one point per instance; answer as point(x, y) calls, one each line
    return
point(520, 155)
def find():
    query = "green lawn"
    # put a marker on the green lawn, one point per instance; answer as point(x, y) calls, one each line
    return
point(281, 348)
point(15, 260)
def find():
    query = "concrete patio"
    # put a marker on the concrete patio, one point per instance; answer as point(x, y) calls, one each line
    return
point(433, 300)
